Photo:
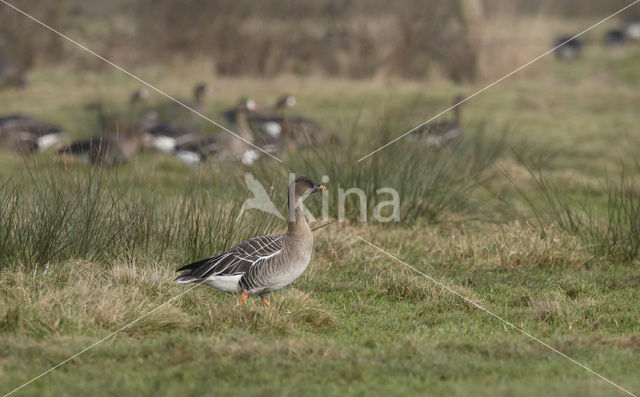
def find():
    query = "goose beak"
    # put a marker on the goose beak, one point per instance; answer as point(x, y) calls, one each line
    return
point(321, 187)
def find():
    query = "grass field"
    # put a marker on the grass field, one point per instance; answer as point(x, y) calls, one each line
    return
point(531, 216)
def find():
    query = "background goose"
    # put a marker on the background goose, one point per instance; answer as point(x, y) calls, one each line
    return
point(25, 133)
point(262, 264)
point(137, 97)
point(177, 113)
point(108, 150)
point(109, 118)
point(282, 132)
point(570, 48)
point(200, 93)
point(440, 132)
point(193, 149)
point(230, 147)
point(20, 142)
point(266, 122)
point(197, 150)
point(166, 137)
point(614, 38)
point(283, 103)
point(286, 102)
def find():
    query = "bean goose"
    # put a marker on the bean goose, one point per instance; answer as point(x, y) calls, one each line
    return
point(440, 132)
point(25, 134)
point(262, 264)
point(108, 150)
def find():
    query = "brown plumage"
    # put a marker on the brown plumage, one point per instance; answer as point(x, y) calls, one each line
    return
point(25, 134)
point(108, 150)
point(262, 264)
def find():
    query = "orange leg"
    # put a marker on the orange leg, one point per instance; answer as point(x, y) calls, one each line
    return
point(243, 298)
point(266, 302)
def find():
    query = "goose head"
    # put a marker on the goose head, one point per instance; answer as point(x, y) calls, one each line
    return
point(138, 96)
point(246, 105)
point(202, 91)
point(304, 186)
point(286, 101)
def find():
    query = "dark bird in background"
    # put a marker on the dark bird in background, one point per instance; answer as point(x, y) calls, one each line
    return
point(25, 133)
point(440, 132)
point(569, 48)
point(614, 38)
point(108, 150)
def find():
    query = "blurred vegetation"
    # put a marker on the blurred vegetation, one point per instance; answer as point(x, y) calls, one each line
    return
point(357, 39)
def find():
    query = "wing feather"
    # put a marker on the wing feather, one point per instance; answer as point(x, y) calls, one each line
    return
point(237, 260)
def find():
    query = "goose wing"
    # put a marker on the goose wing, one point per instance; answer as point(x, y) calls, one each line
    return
point(236, 261)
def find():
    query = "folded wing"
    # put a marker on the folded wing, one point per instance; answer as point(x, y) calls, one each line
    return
point(236, 261)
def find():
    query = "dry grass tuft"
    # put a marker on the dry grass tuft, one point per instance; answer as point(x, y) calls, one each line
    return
point(291, 311)
point(402, 286)
point(548, 309)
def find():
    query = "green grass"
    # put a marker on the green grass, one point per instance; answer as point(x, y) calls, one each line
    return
point(85, 251)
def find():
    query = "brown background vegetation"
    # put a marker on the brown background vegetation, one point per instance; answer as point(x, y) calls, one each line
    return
point(355, 39)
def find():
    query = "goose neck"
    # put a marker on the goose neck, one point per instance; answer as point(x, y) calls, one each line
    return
point(298, 225)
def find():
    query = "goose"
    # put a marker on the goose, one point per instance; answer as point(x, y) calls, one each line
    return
point(288, 132)
point(223, 145)
point(108, 150)
point(137, 97)
point(281, 104)
point(614, 38)
point(263, 264)
point(230, 147)
point(266, 121)
point(569, 47)
point(286, 102)
point(200, 93)
point(108, 118)
point(20, 142)
point(176, 112)
point(25, 133)
point(167, 138)
point(440, 132)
